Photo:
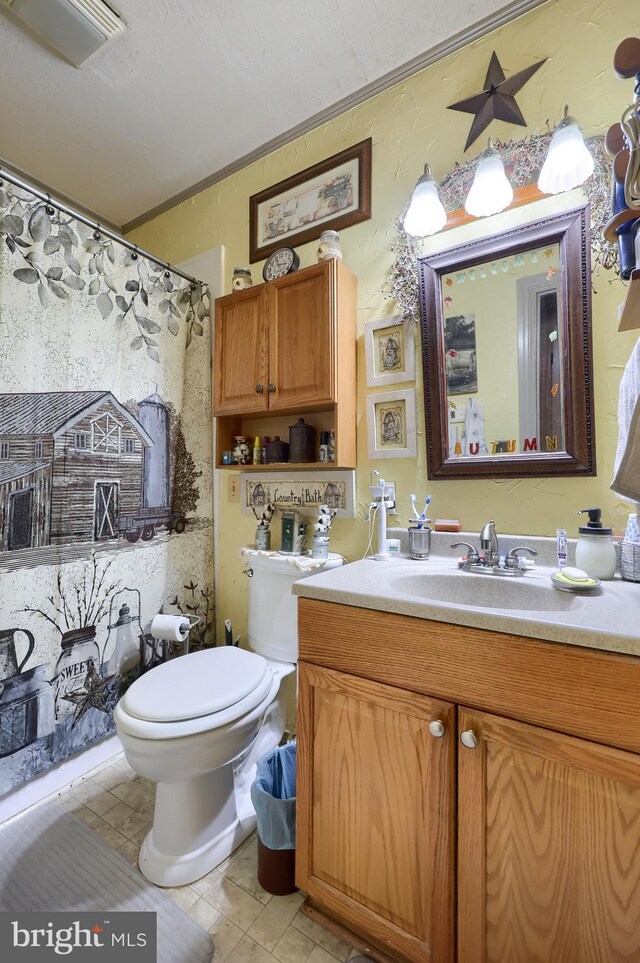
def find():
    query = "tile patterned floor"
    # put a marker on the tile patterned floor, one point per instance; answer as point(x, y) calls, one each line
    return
point(248, 925)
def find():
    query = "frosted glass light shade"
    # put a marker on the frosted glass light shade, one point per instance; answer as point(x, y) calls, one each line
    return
point(491, 191)
point(426, 215)
point(568, 162)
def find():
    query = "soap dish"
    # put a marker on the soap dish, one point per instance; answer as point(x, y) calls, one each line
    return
point(576, 588)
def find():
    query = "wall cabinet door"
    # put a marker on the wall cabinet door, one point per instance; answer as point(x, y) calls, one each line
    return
point(375, 810)
point(548, 846)
point(241, 353)
point(302, 337)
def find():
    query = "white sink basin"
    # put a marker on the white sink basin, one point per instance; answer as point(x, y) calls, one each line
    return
point(485, 591)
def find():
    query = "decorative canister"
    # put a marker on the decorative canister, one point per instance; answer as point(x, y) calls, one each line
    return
point(263, 538)
point(302, 442)
point(277, 451)
point(329, 246)
point(241, 450)
point(320, 546)
point(241, 279)
point(79, 653)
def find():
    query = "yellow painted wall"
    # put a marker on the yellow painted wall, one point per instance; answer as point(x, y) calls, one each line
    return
point(409, 124)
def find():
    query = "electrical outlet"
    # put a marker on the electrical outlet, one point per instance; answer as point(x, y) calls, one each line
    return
point(233, 493)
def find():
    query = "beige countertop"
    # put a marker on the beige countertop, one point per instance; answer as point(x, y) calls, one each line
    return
point(525, 605)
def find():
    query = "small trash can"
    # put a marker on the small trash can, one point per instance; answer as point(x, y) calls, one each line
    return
point(273, 794)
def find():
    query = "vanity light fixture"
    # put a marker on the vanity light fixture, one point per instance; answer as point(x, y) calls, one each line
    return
point(568, 162)
point(491, 191)
point(426, 214)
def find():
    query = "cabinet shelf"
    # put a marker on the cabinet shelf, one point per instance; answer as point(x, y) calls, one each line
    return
point(630, 316)
point(289, 466)
point(286, 349)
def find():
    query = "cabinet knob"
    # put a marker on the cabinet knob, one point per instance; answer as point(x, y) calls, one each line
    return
point(271, 387)
point(436, 728)
point(469, 739)
point(259, 389)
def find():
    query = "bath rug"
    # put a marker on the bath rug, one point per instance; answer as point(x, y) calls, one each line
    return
point(51, 861)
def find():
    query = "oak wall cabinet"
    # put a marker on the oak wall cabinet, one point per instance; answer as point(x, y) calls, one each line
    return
point(466, 795)
point(286, 349)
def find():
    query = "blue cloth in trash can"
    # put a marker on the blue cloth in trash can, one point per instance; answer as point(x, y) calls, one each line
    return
point(273, 794)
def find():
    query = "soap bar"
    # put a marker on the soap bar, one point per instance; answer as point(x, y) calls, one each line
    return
point(447, 525)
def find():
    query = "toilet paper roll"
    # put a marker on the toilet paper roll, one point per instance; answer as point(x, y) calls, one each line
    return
point(173, 628)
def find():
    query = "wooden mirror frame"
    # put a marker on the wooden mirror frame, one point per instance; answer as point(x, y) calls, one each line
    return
point(570, 230)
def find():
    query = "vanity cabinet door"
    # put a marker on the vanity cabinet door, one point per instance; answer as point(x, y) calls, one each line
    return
point(375, 811)
point(241, 353)
point(548, 846)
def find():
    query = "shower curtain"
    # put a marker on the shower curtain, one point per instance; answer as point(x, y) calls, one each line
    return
point(105, 476)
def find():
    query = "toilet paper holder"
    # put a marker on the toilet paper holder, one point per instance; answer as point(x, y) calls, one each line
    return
point(173, 628)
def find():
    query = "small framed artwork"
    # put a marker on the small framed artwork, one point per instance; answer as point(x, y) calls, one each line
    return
point(391, 424)
point(331, 195)
point(390, 352)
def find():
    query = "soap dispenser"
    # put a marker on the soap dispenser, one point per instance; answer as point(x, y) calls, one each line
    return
point(595, 551)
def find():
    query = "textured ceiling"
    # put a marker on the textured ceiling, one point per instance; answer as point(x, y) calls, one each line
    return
point(194, 85)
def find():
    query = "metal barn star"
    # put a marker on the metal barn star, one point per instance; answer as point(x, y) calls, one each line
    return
point(90, 696)
point(497, 100)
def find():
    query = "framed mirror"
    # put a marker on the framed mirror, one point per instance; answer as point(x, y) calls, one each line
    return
point(506, 349)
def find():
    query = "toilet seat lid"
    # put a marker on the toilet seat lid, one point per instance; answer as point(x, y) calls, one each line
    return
point(195, 685)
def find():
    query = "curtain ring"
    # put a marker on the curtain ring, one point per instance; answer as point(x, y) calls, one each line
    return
point(134, 253)
point(49, 207)
point(96, 233)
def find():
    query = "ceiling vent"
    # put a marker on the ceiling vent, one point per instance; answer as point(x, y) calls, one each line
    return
point(77, 29)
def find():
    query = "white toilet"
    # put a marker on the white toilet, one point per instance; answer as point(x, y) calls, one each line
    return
point(197, 725)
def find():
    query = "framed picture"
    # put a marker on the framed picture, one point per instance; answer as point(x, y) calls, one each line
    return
point(391, 424)
point(460, 354)
point(390, 352)
point(306, 491)
point(331, 195)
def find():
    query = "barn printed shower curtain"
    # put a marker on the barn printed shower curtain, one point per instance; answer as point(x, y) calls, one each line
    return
point(105, 476)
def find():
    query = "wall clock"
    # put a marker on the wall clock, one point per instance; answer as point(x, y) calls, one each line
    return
point(281, 262)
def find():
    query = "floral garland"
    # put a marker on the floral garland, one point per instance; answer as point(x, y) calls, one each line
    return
point(523, 160)
point(63, 257)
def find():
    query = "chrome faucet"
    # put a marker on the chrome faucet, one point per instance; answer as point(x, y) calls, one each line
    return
point(489, 545)
point(488, 559)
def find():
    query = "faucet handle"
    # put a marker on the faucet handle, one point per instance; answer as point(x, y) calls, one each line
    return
point(511, 558)
point(472, 555)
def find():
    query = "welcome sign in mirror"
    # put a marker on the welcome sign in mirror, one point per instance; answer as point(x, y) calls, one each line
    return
point(506, 340)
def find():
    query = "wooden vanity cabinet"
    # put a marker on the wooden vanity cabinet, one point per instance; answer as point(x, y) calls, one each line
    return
point(288, 347)
point(548, 846)
point(546, 762)
point(375, 803)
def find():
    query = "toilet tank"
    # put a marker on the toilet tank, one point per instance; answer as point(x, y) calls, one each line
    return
point(273, 610)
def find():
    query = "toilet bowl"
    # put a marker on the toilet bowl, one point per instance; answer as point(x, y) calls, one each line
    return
point(197, 725)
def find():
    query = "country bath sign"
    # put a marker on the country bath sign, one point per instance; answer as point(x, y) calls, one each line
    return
point(297, 490)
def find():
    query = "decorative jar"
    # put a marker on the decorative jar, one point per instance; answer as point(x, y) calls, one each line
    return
point(329, 246)
point(241, 450)
point(320, 546)
point(263, 538)
point(241, 279)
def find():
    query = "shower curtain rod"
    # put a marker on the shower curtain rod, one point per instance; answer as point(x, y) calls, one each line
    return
point(25, 186)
